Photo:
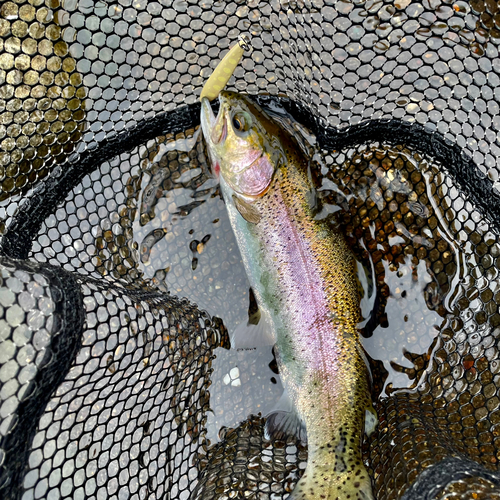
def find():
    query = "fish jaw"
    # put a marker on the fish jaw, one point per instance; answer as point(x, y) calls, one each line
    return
point(208, 121)
point(228, 152)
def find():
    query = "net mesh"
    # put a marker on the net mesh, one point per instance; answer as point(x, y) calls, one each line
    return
point(121, 277)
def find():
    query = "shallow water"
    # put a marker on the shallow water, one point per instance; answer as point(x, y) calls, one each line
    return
point(393, 219)
point(154, 217)
point(432, 254)
point(407, 224)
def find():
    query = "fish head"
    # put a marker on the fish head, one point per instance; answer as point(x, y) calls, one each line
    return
point(244, 144)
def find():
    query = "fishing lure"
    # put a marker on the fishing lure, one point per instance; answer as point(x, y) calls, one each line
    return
point(224, 70)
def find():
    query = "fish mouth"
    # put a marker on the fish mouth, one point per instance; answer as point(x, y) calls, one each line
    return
point(207, 118)
point(214, 127)
point(219, 134)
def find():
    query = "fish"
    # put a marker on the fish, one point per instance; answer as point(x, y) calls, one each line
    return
point(303, 275)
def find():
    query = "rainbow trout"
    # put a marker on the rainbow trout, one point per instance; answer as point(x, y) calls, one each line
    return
point(304, 278)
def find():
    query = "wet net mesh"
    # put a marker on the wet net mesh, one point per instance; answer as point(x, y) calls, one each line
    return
point(120, 276)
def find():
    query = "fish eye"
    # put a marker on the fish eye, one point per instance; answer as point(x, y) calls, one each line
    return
point(241, 122)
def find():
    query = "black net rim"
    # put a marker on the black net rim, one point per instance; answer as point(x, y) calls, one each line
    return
point(49, 193)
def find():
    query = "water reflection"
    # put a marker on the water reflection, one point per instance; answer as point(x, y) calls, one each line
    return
point(412, 323)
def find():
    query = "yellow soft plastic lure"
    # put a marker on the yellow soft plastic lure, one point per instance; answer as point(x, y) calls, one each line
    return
point(224, 70)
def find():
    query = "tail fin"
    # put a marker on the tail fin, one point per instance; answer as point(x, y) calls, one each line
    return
point(321, 482)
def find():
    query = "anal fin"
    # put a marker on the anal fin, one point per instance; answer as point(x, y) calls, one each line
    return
point(255, 332)
point(284, 421)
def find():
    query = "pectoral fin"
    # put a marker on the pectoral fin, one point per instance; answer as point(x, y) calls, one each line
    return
point(247, 211)
point(284, 421)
